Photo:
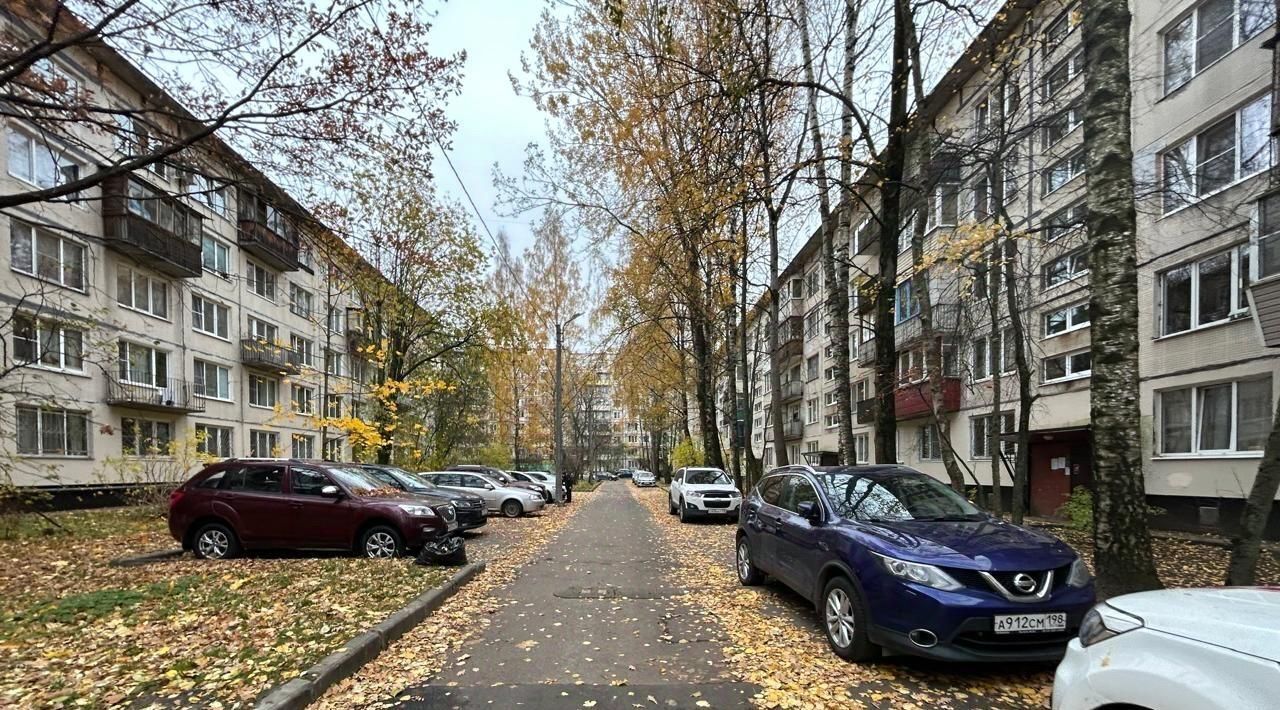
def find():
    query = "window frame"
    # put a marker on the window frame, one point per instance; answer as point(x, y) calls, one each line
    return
point(219, 247)
point(1192, 14)
point(1195, 420)
point(202, 443)
point(200, 376)
point(149, 285)
point(1067, 312)
point(1238, 308)
point(32, 240)
point(1074, 162)
point(309, 410)
point(124, 347)
point(38, 327)
point(198, 322)
point(1071, 256)
point(147, 430)
point(40, 451)
point(1189, 148)
point(255, 382)
point(271, 436)
point(1071, 375)
point(267, 278)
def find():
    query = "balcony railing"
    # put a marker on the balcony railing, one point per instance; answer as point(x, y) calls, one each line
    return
point(173, 395)
point(867, 352)
point(792, 430)
point(791, 337)
point(146, 241)
point(269, 356)
point(946, 319)
point(792, 390)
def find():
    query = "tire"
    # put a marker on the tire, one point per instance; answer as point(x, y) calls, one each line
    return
point(684, 515)
point(512, 508)
point(748, 574)
point(381, 542)
point(844, 619)
point(671, 507)
point(215, 541)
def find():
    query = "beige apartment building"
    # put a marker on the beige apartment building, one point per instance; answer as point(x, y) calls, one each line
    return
point(1003, 142)
point(180, 307)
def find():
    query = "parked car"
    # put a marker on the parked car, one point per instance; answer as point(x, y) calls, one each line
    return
point(471, 508)
point(644, 479)
point(702, 492)
point(1175, 649)
point(249, 504)
point(508, 500)
point(548, 489)
point(895, 559)
point(625, 473)
point(547, 479)
point(501, 478)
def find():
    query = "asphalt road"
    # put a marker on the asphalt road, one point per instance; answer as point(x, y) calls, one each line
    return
point(598, 620)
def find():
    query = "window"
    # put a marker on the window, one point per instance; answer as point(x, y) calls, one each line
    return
point(1227, 151)
point(39, 341)
point(905, 304)
point(141, 365)
point(52, 432)
point(1071, 366)
point(264, 444)
point(215, 256)
point(911, 365)
point(1269, 236)
point(263, 391)
point(1225, 417)
point(156, 207)
point(928, 445)
point(1065, 320)
point(333, 405)
point(1208, 33)
point(1060, 125)
point(263, 331)
point(811, 411)
point(982, 115)
point(982, 354)
point(45, 255)
point(812, 366)
point(333, 362)
point(209, 317)
point(145, 437)
point(1061, 26)
point(212, 381)
point(831, 399)
point(905, 233)
point(1066, 267)
point(980, 431)
point(303, 400)
point(213, 440)
point(859, 392)
point(829, 374)
point(1061, 74)
point(811, 324)
point(333, 449)
point(35, 161)
point(830, 421)
point(262, 281)
point(944, 207)
point(333, 320)
point(1062, 172)
point(139, 292)
point(209, 192)
point(1202, 292)
point(299, 301)
point(1065, 221)
point(861, 446)
point(304, 447)
point(306, 349)
point(814, 282)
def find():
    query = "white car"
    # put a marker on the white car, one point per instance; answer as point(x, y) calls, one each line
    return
point(703, 492)
point(1176, 649)
point(511, 502)
point(541, 480)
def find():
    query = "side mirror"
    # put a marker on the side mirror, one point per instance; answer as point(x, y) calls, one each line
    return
point(488, 486)
point(331, 491)
point(811, 511)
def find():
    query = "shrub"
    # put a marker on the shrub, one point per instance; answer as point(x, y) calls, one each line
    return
point(686, 453)
point(1078, 509)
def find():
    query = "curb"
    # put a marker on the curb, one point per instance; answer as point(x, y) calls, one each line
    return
point(343, 663)
point(146, 558)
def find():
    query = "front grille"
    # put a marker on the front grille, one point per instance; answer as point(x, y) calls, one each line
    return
point(716, 503)
point(973, 580)
point(991, 641)
point(716, 494)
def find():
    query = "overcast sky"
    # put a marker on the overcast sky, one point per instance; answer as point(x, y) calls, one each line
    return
point(494, 124)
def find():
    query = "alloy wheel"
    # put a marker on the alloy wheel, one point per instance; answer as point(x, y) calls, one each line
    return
point(840, 622)
point(380, 545)
point(213, 544)
point(744, 560)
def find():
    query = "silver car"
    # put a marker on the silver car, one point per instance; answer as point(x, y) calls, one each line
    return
point(644, 479)
point(511, 502)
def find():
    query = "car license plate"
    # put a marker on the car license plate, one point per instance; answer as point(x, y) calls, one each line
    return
point(1030, 623)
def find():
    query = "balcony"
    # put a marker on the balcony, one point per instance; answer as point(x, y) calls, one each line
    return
point(867, 353)
point(357, 337)
point(791, 337)
point(133, 233)
point(792, 430)
point(916, 398)
point(865, 411)
point(792, 390)
point(270, 357)
point(946, 319)
point(866, 298)
point(868, 241)
point(174, 396)
point(268, 247)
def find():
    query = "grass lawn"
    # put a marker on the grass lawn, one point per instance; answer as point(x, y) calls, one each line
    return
point(77, 632)
point(582, 486)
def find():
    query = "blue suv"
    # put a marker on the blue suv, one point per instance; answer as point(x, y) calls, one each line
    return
point(894, 559)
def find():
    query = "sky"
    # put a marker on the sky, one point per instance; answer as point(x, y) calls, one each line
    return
point(494, 124)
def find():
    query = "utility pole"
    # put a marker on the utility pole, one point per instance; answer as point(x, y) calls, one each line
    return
point(559, 406)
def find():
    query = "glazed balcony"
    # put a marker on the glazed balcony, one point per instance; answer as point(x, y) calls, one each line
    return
point(153, 228)
point(915, 399)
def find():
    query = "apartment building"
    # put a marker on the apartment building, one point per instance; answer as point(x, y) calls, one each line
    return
point(999, 139)
point(189, 306)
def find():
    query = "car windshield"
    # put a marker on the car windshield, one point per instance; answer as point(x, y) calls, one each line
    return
point(706, 476)
point(499, 476)
point(365, 483)
point(895, 497)
point(409, 479)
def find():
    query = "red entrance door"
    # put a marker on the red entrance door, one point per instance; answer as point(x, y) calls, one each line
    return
point(1056, 468)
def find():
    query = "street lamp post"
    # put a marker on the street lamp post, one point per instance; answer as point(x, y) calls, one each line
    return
point(559, 407)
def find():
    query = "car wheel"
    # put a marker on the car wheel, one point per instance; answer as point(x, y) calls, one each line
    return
point(671, 507)
point(512, 508)
point(845, 620)
point(215, 541)
point(748, 573)
point(381, 542)
point(684, 515)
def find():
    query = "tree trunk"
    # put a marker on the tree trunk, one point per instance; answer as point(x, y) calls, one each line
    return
point(1026, 397)
point(1247, 543)
point(1122, 543)
point(994, 285)
point(748, 381)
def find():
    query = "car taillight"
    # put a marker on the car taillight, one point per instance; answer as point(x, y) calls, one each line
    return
point(174, 497)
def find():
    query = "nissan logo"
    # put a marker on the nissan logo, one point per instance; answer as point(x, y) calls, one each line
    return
point(1024, 583)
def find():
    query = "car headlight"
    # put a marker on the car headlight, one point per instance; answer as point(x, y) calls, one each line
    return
point(927, 575)
point(1104, 622)
point(1079, 576)
point(419, 511)
point(693, 494)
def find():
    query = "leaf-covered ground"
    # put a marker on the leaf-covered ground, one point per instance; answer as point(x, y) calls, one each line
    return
point(778, 644)
point(76, 632)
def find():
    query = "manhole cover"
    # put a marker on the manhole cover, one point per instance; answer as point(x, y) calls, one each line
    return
point(610, 592)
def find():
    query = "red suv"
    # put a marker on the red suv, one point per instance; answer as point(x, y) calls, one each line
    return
point(242, 504)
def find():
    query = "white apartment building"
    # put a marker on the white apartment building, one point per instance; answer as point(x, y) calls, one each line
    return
point(1004, 138)
point(185, 305)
